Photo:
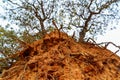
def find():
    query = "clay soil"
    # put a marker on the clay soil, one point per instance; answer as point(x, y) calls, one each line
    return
point(59, 57)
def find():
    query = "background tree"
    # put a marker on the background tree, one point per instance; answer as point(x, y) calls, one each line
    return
point(31, 15)
point(92, 16)
point(88, 16)
point(8, 46)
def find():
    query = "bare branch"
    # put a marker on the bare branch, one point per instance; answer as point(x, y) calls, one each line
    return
point(90, 5)
point(42, 9)
point(53, 21)
point(14, 3)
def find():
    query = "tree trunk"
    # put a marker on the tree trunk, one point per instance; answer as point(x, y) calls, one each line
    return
point(82, 35)
point(42, 28)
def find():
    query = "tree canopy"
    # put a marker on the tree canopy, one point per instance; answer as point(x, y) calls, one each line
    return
point(88, 16)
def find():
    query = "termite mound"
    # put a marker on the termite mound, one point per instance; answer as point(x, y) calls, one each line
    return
point(58, 56)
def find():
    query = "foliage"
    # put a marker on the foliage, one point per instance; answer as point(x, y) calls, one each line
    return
point(32, 15)
point(8, 46)
point(88, 16)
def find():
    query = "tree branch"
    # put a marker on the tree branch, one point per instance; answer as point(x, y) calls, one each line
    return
point(14, 3)
point(42, 8)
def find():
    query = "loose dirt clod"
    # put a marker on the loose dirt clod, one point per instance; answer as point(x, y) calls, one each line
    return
point(58, 57)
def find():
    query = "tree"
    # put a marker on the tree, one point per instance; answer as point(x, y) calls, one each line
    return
point(8, 46)
point(91, 16)
point(31, 15)
point(88, 16)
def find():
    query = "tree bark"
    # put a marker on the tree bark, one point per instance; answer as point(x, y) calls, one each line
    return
point(85, 28)
point(42, 28)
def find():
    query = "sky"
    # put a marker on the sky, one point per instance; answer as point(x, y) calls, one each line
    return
point(109, 36)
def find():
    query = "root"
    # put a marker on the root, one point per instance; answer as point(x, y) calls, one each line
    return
point(21, 76)
point(105, 43)
point(58, 29)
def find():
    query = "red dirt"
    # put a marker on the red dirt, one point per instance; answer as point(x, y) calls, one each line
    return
point(60, 57)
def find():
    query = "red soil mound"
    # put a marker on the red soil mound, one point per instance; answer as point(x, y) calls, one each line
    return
point(59, 57)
